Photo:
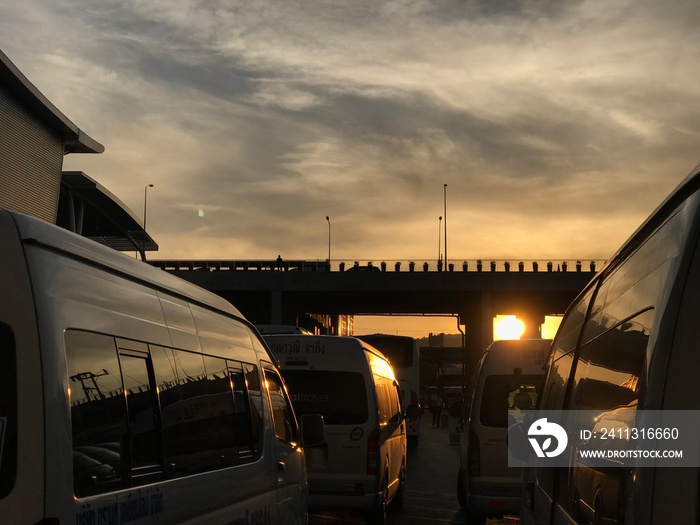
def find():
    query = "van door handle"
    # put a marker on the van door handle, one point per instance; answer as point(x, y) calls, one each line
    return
point(280, 470)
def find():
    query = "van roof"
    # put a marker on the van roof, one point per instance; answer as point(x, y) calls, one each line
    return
point(35, 231)
point(324, 352)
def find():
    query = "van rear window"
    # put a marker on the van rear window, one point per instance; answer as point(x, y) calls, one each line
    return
point(341, 397)
point(506, 392)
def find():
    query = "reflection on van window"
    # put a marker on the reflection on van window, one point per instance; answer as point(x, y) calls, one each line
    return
point(341, 397)
point(504, 392)
point(387, 399)
point(98, 411)
point(282, 414)
point(141, 413)
point(608, 371)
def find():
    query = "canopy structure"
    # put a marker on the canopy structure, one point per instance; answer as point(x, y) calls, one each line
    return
point(89, 209)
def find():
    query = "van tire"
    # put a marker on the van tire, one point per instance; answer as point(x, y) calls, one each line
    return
point(379, 516)
point(400, 497)
point(462, 488)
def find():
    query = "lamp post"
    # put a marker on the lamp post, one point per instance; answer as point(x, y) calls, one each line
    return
point(439, 239)
point(444, 213)
point(328, 219)
point(145, 202)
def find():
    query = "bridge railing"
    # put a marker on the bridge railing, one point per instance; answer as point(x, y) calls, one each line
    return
point(366, 265)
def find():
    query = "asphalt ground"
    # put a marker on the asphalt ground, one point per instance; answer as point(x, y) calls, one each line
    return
point(431, 486)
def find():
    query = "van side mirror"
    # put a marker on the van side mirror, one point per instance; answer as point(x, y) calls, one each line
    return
point(413, 411)
point(312, 429)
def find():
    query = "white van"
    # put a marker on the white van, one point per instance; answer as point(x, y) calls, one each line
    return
point(130, 396)
point(627, 346)
point(362, 465)
point(507, 378)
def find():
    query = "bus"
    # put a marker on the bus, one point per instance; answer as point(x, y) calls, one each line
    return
point(402, 352)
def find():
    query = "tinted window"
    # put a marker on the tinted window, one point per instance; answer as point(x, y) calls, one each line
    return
point(252, 381)
point(198, 411)
point(387, 399)
point(507, 391)
point(98, 413)
point(340, 397)
point(137, 407)
point(141, 450)
point(562, 355)
point(282, 414)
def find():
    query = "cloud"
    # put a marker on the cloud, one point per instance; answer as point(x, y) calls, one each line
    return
point(557, 126)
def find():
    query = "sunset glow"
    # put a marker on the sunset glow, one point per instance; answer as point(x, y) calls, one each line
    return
point(507, 327)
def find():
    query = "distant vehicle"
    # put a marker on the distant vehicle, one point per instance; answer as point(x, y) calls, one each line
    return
point(507, 377)
point(364, 268)
point(628, 345)
point(362, 466)
point(129, 395)
point(267, 329)
point(402, 352)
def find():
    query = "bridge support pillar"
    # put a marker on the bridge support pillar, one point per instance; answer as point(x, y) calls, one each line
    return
point(276, 307)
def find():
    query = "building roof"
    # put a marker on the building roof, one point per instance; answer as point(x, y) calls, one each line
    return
point(75, 140)
point(104, 218)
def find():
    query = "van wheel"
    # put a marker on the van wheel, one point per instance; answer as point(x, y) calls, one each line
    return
point(399, 498)
point(378, 517)
point(462, 488)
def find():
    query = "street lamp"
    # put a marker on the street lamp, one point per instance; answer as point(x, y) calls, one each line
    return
point(439, 239)
point(444, 213)
point(328, 219)
point(145, 201)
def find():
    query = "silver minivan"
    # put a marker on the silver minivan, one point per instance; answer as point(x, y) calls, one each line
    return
point(627, 344)
point(507, 378)
point(362, 465)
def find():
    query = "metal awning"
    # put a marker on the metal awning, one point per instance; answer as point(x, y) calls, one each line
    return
point(89, 209)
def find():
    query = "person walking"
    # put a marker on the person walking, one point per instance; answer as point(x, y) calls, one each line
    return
point(436, 409)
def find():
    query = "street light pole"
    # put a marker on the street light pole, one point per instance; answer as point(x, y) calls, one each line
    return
point(444, 213)
point(328, 219)
point(145, 202)
point(439, 240)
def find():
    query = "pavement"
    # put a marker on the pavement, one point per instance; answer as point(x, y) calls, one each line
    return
point(431, 485)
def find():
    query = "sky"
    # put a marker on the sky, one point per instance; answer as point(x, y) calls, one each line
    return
point(557, 125)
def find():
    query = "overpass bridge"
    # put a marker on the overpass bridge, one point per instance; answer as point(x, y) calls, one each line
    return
point(279, 292)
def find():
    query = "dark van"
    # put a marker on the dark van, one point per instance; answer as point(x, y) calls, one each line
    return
point(629, 343)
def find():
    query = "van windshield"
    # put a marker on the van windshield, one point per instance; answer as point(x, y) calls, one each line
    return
point(506, 392)
point(340, 397)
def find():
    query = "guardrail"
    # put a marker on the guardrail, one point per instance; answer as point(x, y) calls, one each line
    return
point(459, 265)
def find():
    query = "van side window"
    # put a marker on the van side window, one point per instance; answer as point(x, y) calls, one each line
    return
point(141, 450)
point(252, 379)
point(282, 414)
point(98, 413)
point(243, 436)
point(144, 412)
point(387, 399)
point(8, 410)
point(562, 356)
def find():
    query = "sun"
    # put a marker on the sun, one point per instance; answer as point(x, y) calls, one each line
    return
point(507, 327)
